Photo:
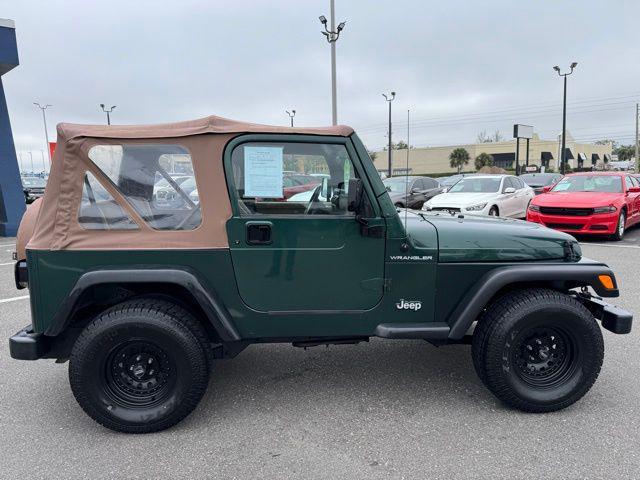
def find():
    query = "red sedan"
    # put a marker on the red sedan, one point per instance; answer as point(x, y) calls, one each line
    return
point(593, 203)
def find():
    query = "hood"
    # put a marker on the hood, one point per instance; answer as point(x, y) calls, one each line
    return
point(460, 199)
point(577, 199)
point(493, 239)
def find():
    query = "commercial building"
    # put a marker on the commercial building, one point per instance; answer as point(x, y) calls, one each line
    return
point(433, 160)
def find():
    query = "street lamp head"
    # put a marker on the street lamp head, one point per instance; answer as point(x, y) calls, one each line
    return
point(393, 94)
point(341, 26)
point(294, 112)
point(557, 68)
point(574, 65)
point(102, 106)
point(323, 19)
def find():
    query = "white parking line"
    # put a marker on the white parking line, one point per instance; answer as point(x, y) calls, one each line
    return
point(611, 245)
point(13, 299)
point(9, 263)
point(7, 245)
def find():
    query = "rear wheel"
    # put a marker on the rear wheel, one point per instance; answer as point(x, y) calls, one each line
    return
point(537, 350)
point(141, 366)
point(621, 226)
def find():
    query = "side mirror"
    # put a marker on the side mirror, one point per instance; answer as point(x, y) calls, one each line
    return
point(415, 190)
point(509, 190)
point(356, 192)
point(547, 189)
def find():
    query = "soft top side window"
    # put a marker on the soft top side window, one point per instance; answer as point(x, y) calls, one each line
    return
point(99, 210)
point(292, 178)
point(156, 179)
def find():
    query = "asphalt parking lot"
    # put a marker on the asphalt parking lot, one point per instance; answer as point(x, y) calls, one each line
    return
point(386, 409)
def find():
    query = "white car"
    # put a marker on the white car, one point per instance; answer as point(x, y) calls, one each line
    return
point(497, 195)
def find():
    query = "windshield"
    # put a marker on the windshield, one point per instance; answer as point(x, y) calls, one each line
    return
point(448, 181)
point(590, 183)
point(33, 182)
point(396, 184)
point(476, 185)
point(539, 180)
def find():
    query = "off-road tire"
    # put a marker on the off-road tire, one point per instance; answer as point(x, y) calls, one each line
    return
point(507, 329)
point(140, 333)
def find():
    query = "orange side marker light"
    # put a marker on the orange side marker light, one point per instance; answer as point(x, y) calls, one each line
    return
point(606, 281)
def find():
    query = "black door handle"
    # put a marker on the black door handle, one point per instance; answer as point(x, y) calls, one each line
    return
point(259, 233)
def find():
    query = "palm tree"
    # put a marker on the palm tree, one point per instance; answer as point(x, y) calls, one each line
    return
point(483, 160)
point(458, 158)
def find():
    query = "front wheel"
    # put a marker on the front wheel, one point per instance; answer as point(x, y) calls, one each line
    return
point(620, 227)
point(141, 366)
point(493, 211)
point(538, 350)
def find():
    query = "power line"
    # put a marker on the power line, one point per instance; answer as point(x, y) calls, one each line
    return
point(526, 108)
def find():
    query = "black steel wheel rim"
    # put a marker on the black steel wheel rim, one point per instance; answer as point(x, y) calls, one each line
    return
point(139, 374)
point(545, 357)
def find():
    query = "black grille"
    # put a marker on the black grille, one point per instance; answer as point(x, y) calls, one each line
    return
point(445, 209)
point(566, 226)
point(569, 212)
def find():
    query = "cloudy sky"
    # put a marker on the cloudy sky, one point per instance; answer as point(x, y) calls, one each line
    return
point(460, 66)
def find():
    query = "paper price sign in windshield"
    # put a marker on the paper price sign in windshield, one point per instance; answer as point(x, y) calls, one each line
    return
point(263, 172)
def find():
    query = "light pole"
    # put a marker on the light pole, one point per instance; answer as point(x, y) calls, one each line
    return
point(563, 152)
point(44, 120)
point(107, 112)
point(291, 114)
point(332, 36)
point(389, 99)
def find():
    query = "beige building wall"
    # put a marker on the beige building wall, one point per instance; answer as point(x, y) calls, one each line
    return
point(432, 160)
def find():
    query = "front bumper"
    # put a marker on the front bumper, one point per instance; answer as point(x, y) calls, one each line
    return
point(28, 345)
point(600, 224)
point(614, 319)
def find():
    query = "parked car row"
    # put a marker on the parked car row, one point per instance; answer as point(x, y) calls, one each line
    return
point(587, 203)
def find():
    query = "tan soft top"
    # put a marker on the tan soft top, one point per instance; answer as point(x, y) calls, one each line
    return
point(211, 124)
point(57, 227)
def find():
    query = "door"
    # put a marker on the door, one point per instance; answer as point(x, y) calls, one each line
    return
point(416, 194)
point(305, 251)
point(633, 200)
point(523, 195)
point(509, 202)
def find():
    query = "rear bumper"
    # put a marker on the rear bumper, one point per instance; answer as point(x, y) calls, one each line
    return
point(27, 345)
point(614, 319)
point(601, 224)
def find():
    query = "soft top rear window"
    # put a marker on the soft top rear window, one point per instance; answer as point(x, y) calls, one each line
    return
point(156, 179)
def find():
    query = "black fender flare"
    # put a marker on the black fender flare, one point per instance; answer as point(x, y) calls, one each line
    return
point(493, 281)
point(207, 298)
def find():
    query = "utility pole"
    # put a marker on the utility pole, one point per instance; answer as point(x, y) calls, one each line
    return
point(46, 133)
point(107, 112)
point(637, 140)
point(389, 99)
point(563, 152)
point(332, 36)
point(291, 114)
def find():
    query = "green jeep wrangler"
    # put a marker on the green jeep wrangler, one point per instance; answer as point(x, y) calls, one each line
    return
point(158, 249)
